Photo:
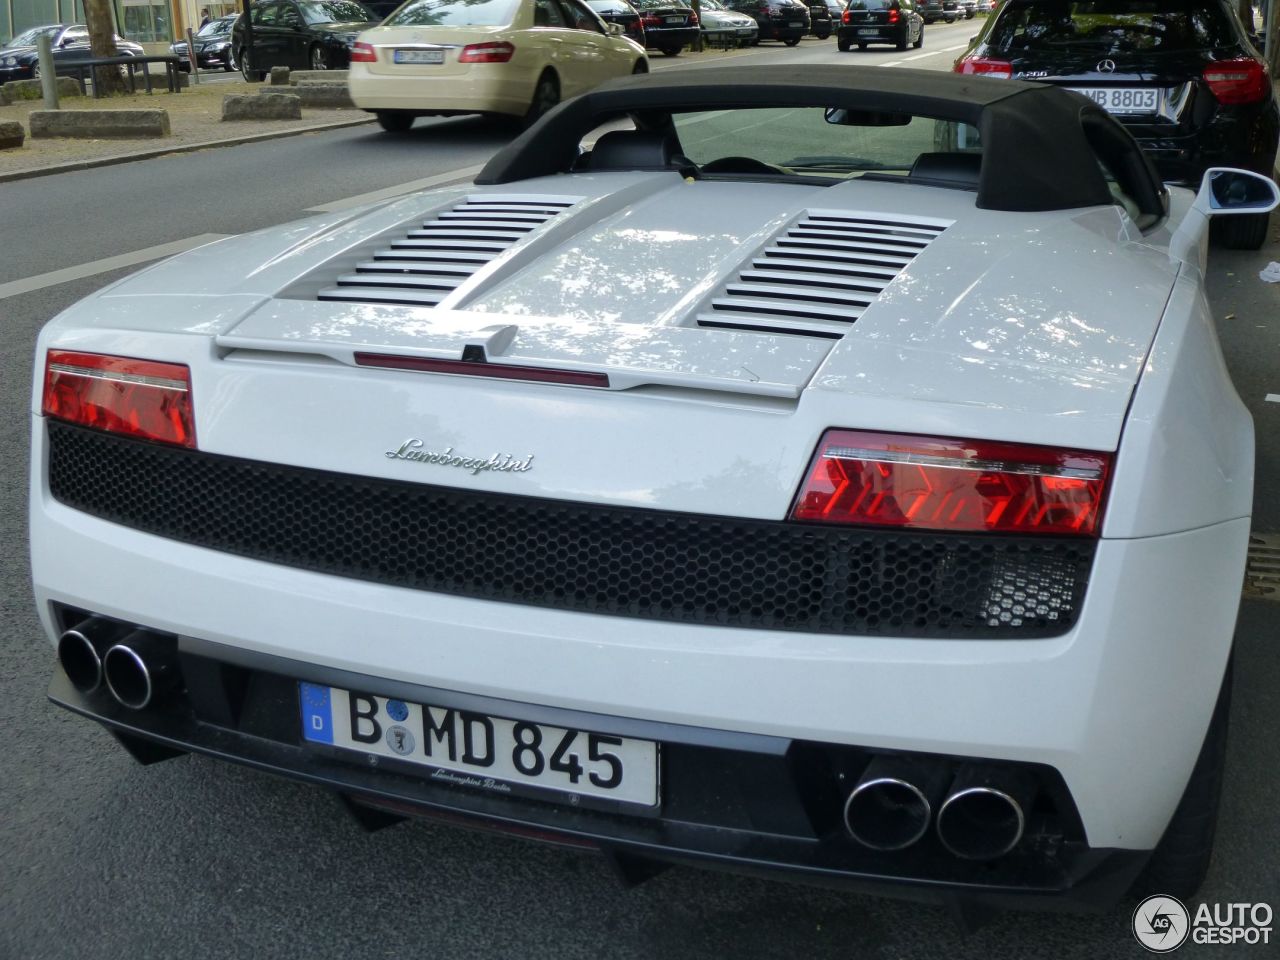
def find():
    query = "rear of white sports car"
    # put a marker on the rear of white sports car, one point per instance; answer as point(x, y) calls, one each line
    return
point(862, 534)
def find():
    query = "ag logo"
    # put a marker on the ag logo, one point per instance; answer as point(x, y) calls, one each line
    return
point(1161, 924)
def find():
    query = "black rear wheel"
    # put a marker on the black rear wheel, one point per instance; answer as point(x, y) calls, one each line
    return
point(793, 42)
point(545, 96)
point(394, 121)
point(842, 44)
point(246, 68)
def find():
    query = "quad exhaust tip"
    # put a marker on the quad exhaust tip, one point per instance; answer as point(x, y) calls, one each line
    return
point(81, 649)
point(985, 813)
point(140, 669)
point(893, 802)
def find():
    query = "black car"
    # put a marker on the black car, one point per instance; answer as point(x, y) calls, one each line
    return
point(19, 60)
point(880, 21)
point(213, 46)
point(934, 10)
point(669, 25)
point(1182, 76)
point(821, 23)
point(785, 20)
point(623, 14)
point(301, 34)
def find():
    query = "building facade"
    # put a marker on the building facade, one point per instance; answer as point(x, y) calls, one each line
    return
point(146, 21)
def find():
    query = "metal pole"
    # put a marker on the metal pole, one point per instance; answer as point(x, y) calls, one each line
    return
point(191, 56)
point(48, 73)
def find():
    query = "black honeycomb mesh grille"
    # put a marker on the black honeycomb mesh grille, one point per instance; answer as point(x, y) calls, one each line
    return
point(571, 556)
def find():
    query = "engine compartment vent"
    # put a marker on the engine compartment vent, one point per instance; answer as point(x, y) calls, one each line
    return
point(429, 262)
point(816, 278)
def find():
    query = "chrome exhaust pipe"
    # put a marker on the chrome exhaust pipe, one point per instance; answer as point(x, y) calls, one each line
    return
point(985, 812)
point(140, 669)
point(81, 649)
point(893, 802)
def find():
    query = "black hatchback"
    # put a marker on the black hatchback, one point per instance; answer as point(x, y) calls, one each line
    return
point(1182, 75)
point(880, 21)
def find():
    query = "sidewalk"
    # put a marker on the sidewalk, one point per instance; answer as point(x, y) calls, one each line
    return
point(195, 118)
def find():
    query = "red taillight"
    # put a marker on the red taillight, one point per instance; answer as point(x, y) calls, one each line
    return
point(137, 398)
point(845, 18)
point(936, 483)
point(893, 16)
point(693, 19)
point(498, 51)
point(650, 21)
point(985, 66)
point(1237, 81)
point(363, 53)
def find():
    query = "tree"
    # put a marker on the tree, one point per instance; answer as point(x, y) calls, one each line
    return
point(102, 43)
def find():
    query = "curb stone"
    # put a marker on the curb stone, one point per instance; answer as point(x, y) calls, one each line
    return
point(99, 124)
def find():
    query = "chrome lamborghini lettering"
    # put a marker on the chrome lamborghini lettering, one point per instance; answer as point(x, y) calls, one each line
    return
point(413, 450)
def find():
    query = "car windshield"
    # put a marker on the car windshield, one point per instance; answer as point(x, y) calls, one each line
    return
point(334, 11)
point(217, 28)
point(453, 13)
point(1111, 26)
point(712, 5)
point(802, 140)
point(28, 37)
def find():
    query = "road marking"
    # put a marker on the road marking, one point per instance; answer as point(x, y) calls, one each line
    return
point(1273, 398)
point(386, 193)
point(67, 274)
point(924, 56)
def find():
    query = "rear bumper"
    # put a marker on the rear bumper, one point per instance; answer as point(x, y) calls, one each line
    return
point(871, 33)
point(481, 89)
point(1247, 139)
point(659, 38)
point(244, 709)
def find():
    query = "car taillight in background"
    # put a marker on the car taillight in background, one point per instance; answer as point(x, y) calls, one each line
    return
point(893, 16)
point(137, 398)
point(844, 17)
point(363, 53)
point(985, 66)
point(496, 52)
point(693, 19)
point(650, 21)
point(1237, 81)
point(938, 483)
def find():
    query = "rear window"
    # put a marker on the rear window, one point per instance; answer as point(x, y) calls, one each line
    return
point(1112, 26)
point(453, 13)
point(872, 4)
point(334, 11)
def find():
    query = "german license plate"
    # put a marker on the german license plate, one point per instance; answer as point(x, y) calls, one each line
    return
point(419, 56)
point(1123, 99)
point(796, 23)
point(675, 21)
point(868, 32)
point(476, 750)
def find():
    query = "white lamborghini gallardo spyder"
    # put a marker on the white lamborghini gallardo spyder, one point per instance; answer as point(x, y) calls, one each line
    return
point(831, 471)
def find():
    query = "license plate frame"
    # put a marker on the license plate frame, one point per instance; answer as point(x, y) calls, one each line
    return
point(868, 31)
point(418, 58)
point(1125, 101)
point(444, 745)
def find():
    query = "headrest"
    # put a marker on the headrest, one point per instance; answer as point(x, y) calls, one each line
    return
point(633, 150)
point(948, 169)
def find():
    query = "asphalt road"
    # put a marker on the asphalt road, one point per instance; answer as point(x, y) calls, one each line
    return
point(100, 857)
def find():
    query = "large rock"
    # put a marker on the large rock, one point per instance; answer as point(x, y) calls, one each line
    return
point(267, 105)
point(16, 90)
point(323, 76)
point(11, 134)
point(99, 124)
point(316, 94)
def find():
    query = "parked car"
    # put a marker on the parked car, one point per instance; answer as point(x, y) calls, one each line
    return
point(621, 13)
point(642, 496)
point(300, 34)
point(784, 20)
point(880, 21)
point(1183, 78)
point(506, 57)
point(724, 27)
point(934, 10)
point(213, 46)
point(19, 59)
point(669, 25)
point(821, 22)
point(968, 8)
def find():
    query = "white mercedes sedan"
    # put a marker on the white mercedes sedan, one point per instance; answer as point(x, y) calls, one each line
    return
point(829, 471)
point(514, 58)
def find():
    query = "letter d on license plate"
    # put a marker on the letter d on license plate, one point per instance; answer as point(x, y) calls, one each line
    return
point(477, 750)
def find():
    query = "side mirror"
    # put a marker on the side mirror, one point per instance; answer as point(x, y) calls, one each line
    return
point(614, 29)
point(1226, 191)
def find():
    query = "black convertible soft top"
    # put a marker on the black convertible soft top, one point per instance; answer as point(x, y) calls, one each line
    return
point(1036, 149)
